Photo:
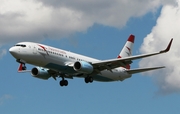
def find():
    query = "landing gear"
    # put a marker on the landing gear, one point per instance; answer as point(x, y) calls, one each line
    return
point(23, 66)
point(88, 79)
point(63, 82)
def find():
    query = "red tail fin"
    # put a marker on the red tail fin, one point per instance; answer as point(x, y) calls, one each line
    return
point(127, 49)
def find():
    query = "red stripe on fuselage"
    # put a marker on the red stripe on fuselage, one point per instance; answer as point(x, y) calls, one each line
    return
point(43, 47)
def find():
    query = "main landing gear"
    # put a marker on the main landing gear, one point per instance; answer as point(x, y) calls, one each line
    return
point(88, 79)
point(63, 82)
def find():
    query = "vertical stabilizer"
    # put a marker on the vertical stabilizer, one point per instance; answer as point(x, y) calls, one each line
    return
point(127, 49)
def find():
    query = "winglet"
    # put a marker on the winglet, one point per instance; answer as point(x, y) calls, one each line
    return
point(168, 47)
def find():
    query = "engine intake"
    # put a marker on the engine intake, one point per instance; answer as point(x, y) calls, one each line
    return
point(40, 73)
point(83, 67)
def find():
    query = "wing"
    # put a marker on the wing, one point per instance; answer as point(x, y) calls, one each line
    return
point(122, 62)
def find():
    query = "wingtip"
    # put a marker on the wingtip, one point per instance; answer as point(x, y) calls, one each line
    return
point(131, 38)
point(168, 47)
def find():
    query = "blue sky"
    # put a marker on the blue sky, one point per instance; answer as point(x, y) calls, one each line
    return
point(142, 93)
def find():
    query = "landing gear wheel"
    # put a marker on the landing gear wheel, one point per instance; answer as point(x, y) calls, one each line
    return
point(88, 79)
point(23, 67)
point(63, 83)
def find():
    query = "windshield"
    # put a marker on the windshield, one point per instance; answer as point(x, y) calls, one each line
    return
point(22, 45)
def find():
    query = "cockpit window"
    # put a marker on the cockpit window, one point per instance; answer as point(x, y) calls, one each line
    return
point(20, 45)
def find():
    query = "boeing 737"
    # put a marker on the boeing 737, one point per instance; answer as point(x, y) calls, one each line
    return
point(54, 62)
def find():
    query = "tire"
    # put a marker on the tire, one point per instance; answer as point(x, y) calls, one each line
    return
point(61, 83)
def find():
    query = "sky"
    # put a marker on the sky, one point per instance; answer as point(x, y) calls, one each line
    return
point(98, 29)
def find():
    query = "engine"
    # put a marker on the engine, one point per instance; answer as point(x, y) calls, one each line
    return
point(40, 73)
point(83, 67)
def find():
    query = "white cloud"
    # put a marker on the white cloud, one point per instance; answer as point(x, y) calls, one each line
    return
point(36, 19)
point(167, 27)
point(4, 98)
point(21, 19)
point(2, 52)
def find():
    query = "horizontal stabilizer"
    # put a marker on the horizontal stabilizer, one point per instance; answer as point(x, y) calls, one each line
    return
point(138, 70)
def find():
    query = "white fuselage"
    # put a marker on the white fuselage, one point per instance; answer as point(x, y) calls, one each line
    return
point(61, 61)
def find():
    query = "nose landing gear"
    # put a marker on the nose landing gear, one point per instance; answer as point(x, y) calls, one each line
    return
point(22, 67)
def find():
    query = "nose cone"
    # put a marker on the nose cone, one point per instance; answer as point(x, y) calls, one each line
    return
point(13, 51)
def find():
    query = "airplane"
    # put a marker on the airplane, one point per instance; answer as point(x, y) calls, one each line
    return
point(54, 62)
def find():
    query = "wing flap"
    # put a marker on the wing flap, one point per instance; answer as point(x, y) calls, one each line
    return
point(138, 70)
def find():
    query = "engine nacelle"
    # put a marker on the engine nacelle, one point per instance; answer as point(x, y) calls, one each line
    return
point(83, 67)
point(40, 73)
